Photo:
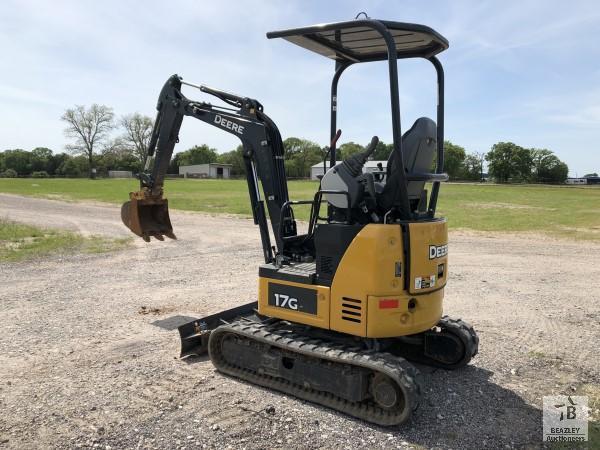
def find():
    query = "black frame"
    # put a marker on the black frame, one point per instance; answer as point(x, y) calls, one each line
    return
point(345, 60)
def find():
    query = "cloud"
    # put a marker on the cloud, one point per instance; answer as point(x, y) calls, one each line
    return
point(513, 70)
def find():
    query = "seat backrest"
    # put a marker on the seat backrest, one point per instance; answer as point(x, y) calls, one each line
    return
point(419, 145)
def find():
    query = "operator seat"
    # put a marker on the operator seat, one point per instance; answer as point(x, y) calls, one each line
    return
point(419, 145)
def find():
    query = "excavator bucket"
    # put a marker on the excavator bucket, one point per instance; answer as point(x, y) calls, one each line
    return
point(147, 216)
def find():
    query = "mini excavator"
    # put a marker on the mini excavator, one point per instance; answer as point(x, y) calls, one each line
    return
point(344, 309)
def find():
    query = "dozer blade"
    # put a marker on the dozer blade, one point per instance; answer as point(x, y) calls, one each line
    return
point(194, 335)
point(147, 216)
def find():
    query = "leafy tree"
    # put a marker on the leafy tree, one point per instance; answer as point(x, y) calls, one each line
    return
point(382, 151)
point(55, 162)
point(8, 173)
point(349, 149)
point(557, 173)
point(508, 160)
point(587, 175)
point(69, 168)
point(199, 154)
point(300, 155)
point(137, 132)
point(547, 168)
point(454, 157)
point(40, 159)
point(236, 159)
point(472, 167)
point(118, 158)
point(18, 160)
point(174, 164)
point(89, 128)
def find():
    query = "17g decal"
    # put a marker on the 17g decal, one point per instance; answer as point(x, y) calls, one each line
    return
point(285, 301)
point(294, 298)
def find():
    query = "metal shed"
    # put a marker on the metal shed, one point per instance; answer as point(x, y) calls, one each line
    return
point(210, 170)
point(370, 166)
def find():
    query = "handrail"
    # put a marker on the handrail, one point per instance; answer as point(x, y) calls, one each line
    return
point(417, 176)
point(314, 211)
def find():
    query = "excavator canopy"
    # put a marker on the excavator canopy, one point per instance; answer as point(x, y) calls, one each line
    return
point(365, 40)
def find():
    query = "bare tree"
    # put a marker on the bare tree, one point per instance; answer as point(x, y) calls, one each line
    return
point(138, 130)
point(89, 128)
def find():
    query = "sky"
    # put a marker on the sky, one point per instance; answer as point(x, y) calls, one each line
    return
point(521, 71)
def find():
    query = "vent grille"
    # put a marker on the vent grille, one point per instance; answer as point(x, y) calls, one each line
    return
point(326, 264)
point(351, 309)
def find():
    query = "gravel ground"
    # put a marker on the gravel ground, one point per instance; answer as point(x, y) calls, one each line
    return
point(83, 366)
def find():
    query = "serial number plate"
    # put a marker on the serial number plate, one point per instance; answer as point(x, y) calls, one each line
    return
point(293, 298)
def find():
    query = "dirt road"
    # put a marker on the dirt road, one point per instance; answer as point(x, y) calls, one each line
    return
point(83, 365)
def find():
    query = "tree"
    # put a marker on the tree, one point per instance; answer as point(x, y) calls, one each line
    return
point(589, 175)
point(199, 154)
point(509, 161)
point(117, 158)
point(8, 173)
point(89, 128)
point(349, 149)
point(473, 167)
point(547, 168)
point(454, 157)
point(41, 158)
point(236, 159)
point(55, 162)
point(137, 132)
point(382, 151)
point(18, 160)
point(300, 155)
point(74, 166)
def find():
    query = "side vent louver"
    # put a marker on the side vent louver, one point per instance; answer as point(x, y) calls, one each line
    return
point(351, 309)
point(326, 264)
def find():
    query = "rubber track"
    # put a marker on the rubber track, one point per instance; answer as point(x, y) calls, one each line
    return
point(462, 327)
point(398, 369)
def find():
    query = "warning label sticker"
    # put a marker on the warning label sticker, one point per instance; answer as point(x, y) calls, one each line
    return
point(425, 282)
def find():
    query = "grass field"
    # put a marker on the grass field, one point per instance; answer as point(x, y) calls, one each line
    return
point(18, 242)
point(560, 211)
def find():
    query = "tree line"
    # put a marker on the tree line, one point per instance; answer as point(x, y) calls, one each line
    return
point(94, 149)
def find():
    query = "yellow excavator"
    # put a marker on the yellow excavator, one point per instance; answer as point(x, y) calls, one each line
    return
point(344, 309)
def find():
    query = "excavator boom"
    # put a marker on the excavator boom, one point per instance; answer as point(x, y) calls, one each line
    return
point(146, 213)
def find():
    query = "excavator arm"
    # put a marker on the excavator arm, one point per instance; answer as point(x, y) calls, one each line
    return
point(146, 213)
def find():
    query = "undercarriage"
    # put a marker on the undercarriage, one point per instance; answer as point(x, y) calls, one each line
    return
point(371, 379)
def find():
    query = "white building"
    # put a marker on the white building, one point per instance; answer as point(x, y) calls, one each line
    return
point(211, 170)
point(120, 174)
point(370, 166)
point(576, 181)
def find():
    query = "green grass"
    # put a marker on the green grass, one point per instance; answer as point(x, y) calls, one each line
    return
point(555, 210)
point(537, 354)
point(19, 242)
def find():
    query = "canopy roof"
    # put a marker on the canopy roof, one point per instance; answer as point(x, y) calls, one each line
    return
point(363, 40)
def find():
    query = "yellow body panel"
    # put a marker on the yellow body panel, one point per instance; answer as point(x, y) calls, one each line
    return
point(428, 256)
point(369, 296)
point(367, 268)
point(320, 320)
point(422, 314)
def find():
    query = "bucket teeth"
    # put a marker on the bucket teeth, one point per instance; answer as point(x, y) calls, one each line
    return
point(147, 216)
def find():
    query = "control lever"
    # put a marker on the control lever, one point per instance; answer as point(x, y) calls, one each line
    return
point(335, 139)
point(331, 146)
point(355, 163)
